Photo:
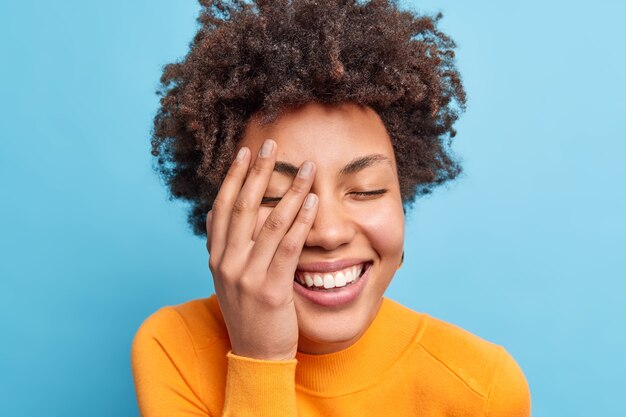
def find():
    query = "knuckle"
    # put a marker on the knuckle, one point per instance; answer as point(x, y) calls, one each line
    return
point(226, 272)
point(228, 278)
point(232, 173)
point(245, 287)
point(272, 299)
point(257, 168)
point(306, 220)
point(274, 223)
point(213, 264)
point(218, 205)
point(298, 187)
point(240, 206)
point(289, 246)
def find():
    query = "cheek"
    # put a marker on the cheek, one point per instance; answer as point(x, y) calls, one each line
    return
point(260, 220)
point(384, 228)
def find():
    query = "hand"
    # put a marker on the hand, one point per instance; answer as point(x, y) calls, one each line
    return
point(253, 277)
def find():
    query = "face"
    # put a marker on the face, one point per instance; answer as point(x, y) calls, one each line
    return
point(360, 220)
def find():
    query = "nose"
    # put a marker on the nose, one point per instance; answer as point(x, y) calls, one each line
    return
point(332, 227)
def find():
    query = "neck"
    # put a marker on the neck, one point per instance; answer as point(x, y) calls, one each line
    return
point(394, 329)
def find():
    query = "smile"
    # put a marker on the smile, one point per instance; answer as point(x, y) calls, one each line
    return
point(328, 294)
point(322, 281)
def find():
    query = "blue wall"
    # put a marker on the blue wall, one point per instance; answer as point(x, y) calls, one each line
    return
point(522, 250)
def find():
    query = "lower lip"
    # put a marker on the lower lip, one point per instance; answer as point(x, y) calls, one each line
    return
point(337, 297)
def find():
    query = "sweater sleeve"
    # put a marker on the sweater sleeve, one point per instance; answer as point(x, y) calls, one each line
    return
point(509, 395)
point(260, 388)
point(165, 368)
point(163, 361)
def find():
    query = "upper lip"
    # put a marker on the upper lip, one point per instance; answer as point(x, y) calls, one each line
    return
point(330, 266)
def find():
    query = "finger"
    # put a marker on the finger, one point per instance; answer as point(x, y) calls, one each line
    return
point(209, 219)
point(246, 207)
point(285, 262)
point(282, 217)
point(223, 203)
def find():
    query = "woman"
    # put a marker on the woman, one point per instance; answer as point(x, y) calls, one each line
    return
point(299, 130)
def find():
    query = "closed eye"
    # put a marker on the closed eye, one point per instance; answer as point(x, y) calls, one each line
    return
point(365, 194)
point(270, 200)
point(358, 194)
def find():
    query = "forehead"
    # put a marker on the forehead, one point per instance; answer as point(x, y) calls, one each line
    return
point(327, 135)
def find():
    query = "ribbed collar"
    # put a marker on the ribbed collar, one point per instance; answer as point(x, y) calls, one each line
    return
point(362, 364)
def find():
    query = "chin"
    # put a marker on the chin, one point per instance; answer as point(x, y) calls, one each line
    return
point(331, 331)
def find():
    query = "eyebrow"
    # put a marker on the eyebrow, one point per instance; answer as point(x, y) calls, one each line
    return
point(286, 168)
point(356, 165)
point(359, 164)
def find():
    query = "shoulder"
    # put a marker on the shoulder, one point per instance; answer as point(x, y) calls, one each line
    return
point(178, 359)
point(486, 368)
point(189, 326)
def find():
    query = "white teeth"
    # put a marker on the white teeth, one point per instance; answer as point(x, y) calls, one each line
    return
point(308, 279)
point(329, 281)
point(349, 275)
point(340, 280)
point(318, 281)
point(336, 279)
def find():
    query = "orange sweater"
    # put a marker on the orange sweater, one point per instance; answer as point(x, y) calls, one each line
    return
point(406, 364)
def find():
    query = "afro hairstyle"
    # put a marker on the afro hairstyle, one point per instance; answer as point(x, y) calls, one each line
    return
point(261, 57)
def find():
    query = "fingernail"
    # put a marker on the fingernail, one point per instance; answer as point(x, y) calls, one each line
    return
point(266, 149)
point(241, 154)
point(310, 201)
point(306, 169)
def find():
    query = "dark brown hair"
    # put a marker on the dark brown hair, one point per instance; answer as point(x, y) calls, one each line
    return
point(265, 56)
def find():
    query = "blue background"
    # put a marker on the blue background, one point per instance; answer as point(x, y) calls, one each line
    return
point(524, 249)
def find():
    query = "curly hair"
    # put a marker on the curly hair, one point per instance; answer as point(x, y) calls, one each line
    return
point(261, 57)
